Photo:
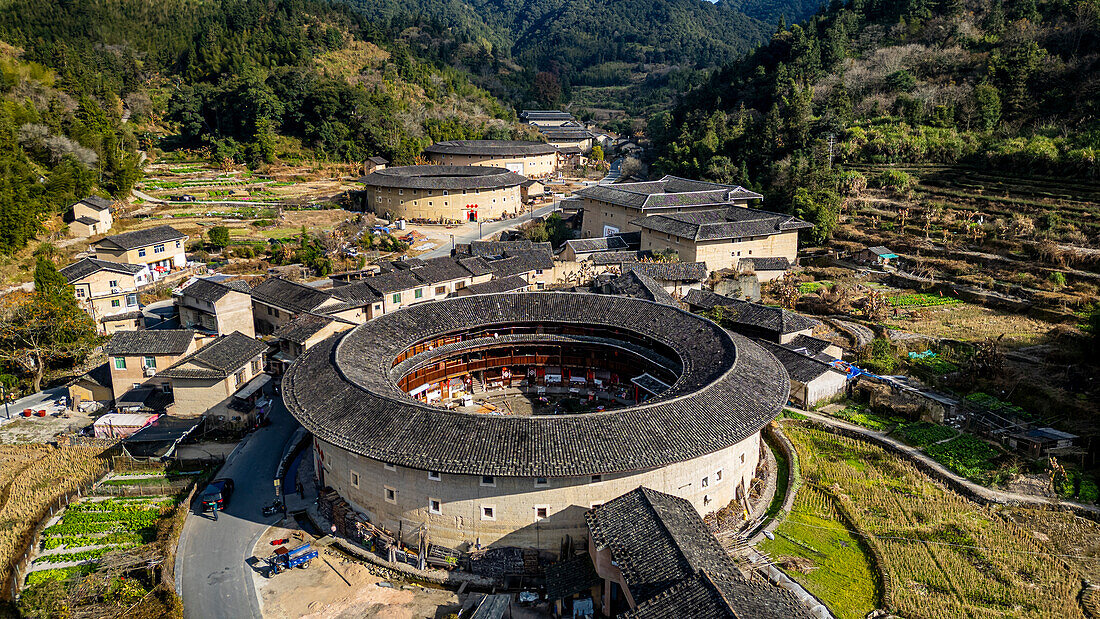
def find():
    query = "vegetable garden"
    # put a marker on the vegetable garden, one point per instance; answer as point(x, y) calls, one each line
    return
point(934, 554)
point(32, 479)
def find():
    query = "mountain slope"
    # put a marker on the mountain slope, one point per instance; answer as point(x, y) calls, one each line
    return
point(566, 37)
point(86, 84)
point(1011, 84)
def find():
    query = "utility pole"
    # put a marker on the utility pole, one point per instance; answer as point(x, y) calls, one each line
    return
point(4, 394)
point(832, 143)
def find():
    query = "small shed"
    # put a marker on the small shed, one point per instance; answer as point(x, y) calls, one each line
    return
point(531, 189)
point(878, 256)
point(1038, 442)
point(373, 164)
point(121, 425)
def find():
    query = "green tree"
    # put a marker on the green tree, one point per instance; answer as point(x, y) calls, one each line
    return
point(44, 327)
point(219, 236)
point(821, 208)
point(988, 99)
point(596, 154)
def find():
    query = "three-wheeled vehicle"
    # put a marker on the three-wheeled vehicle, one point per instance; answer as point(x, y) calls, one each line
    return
point(285, 559)
point(216, 495)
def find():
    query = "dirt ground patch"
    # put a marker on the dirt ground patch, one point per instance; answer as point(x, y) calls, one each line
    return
point(319, 592)
point(41, 429)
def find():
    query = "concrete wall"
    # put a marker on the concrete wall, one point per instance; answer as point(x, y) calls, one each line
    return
point(724, 254)
point(515, 499)
point(196, 396)
point(109, 326)
point(104, 217)
point(598, 214)
point(123, 380)
point(531, 166)
point(172, 254)
point(232, 312)
point(448, 205)
point(821, 388)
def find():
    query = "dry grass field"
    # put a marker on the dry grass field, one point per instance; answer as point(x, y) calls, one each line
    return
point(934, 553)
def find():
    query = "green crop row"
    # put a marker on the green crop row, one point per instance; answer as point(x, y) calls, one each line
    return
point(76, 541)
point(83, 555)
point(921, 299)
point(966, 455)
point(61, 573)
point(116, 506)
point(922, 433)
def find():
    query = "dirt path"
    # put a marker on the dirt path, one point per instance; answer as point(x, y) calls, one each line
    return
point(987, 494)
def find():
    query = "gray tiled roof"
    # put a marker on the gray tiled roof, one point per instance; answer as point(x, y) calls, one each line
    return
point(87, 221)
point(723, 223)
point(86, 266)
point(143, 238)
point(640, 286)
point(618, 257)
point(302, 328)
point(765, 264)
point(670, 271)
point(288, 295)
point(606, 243)
point(96, 202)
point(812, 345)
point(521, 262)
point(493, 249)
point(772, 319)
point(133, 315)
point(443, 177)
point(344, 390)
point(212, 291)
point(500, 148)
point(498, 285)
point(675, 567)
point(218, 359)
point(799, 366)
point(149, 342)
point(573, 575)
point(667, 192)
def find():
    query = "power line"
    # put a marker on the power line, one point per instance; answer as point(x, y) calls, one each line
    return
point(910, 539)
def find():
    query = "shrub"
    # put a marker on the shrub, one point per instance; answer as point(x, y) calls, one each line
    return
point(897, 180)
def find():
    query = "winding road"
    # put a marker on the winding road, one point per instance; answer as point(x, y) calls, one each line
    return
point(213, 575)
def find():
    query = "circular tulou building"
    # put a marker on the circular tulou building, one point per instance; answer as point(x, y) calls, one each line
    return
point(658, 397)
point(443, 192)
point(532, 159)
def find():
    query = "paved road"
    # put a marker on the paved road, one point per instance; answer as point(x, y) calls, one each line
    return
point(614, 173)
point(212, 573)
point(35, 401)
point(989, 494)
point(161, 315)
point(487, 231)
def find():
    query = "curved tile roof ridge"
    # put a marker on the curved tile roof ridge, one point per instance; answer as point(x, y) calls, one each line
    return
point(730, 387)
point(491, 147)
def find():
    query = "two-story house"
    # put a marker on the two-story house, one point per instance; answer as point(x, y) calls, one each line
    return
point(89, 217)
point(722, 238)
point(215, 373)
point(216, 307)
point(160, 248)
point(611, 209)
point(108, 292)
point(277, 301)
point(135, 357)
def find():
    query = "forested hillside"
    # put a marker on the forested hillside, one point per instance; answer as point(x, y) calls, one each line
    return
point(87, 85)
point(588, 42)
point(1010, 84)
